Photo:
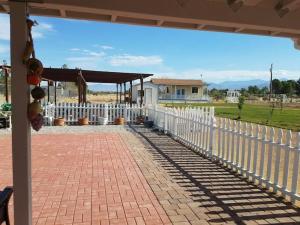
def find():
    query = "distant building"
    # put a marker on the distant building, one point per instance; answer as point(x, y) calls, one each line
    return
point(171, 90)
point(232, 96)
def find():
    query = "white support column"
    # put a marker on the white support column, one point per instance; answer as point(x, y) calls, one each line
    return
point(21, 139)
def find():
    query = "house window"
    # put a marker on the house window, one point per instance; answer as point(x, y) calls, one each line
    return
point(194, 90)
point(140, 92)
point(167, 90)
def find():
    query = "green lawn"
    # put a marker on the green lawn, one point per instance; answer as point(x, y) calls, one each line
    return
point(288, 118)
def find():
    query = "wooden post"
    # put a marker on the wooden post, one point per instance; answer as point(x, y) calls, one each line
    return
point(142, 95)
point(120, 93)
point(21, 135)
point(131, 93)
point(124, 92)
point(79, 89)
point(142, 90)
point(6, 84)
point(271, 80)
point(84, 87)
point(55, 97)
point(117, 93)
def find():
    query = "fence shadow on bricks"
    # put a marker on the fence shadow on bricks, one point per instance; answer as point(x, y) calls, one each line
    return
point(226, 196)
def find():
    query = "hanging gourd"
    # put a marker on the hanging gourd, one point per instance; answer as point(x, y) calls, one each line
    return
point(38, 93)
point(34, 109)
point(34, 72)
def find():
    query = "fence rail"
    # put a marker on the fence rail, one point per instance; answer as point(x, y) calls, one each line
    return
point(71, 112)
point(266, 156)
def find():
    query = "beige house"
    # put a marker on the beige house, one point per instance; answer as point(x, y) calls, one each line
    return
point(172, 90)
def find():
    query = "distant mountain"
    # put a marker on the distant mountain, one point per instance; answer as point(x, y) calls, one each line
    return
point(238, 84)
point(102, 87)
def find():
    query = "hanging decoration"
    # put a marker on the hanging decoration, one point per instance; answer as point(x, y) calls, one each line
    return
point(34, 77)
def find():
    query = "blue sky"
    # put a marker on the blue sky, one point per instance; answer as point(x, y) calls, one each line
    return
point(165, 52)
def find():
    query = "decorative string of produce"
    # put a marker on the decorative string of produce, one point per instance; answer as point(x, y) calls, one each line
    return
point(34, 72)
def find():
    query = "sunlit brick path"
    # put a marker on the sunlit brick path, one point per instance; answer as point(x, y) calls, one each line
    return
point(207, 193)
point(85, 179)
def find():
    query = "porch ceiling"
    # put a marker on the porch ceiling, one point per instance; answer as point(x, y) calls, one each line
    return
point(70, 75)
point(262, 17)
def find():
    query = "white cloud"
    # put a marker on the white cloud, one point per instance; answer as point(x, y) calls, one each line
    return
point(106, 47)
point(41, 29)
point(38, 31)
point(85, 59)
point(75, 49)
point(135, 60)
point(217, 76)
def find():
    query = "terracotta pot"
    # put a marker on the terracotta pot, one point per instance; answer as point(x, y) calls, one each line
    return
point(120, 121)
point(59, 122)
point(83, 121)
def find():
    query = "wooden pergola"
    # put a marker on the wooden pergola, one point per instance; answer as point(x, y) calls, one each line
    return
point(82, 77)
point(276, 18)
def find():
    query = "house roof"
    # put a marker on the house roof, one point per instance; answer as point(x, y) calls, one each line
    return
point(177, 82)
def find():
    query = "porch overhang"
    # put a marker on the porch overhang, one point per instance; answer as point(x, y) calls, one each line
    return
point(260, 17)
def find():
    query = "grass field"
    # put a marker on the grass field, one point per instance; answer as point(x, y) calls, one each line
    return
point(287, 118)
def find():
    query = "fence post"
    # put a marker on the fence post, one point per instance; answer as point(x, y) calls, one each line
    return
point(295, 175)
point(106, 111)
point(155, 115)
point(175, 121)
point(165, 121)
point(212, 131)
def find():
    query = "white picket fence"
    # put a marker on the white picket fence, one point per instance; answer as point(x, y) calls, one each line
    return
point(71, 112)
point(191, 126)
point(266, 156)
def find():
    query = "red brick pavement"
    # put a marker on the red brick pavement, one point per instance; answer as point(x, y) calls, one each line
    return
point(85, 179)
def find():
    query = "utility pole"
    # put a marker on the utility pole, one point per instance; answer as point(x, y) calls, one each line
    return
point(271, 79)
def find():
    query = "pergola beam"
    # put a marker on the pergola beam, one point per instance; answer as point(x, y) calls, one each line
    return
point(114, 18)
point(283, 7)
point(159, 22)
point(62, 13)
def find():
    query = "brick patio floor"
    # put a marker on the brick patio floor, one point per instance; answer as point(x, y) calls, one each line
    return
point(86, 179)
point(113, 176)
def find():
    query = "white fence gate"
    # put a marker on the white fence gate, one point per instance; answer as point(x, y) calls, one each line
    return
point(71, 112)
point(267, 156)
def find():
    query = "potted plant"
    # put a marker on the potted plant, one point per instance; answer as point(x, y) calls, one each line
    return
point(119, 121)
point(83, 121)
point(59, 121)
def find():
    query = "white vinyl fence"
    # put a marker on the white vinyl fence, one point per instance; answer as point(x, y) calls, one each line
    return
point(71, 112)
point(267, 156)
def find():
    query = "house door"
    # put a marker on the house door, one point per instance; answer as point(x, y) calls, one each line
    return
point(180, 93)
point(148, 96)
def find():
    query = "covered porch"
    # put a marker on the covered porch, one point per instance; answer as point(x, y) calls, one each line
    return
point(280, 20)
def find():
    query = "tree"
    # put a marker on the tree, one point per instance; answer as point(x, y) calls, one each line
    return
point(64, 66)
point(253, 90)
point(276, 86)
point(240, 106)
point(298, 87)
point(288, 87)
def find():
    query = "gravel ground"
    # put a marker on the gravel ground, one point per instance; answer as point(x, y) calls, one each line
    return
point(74, 129)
